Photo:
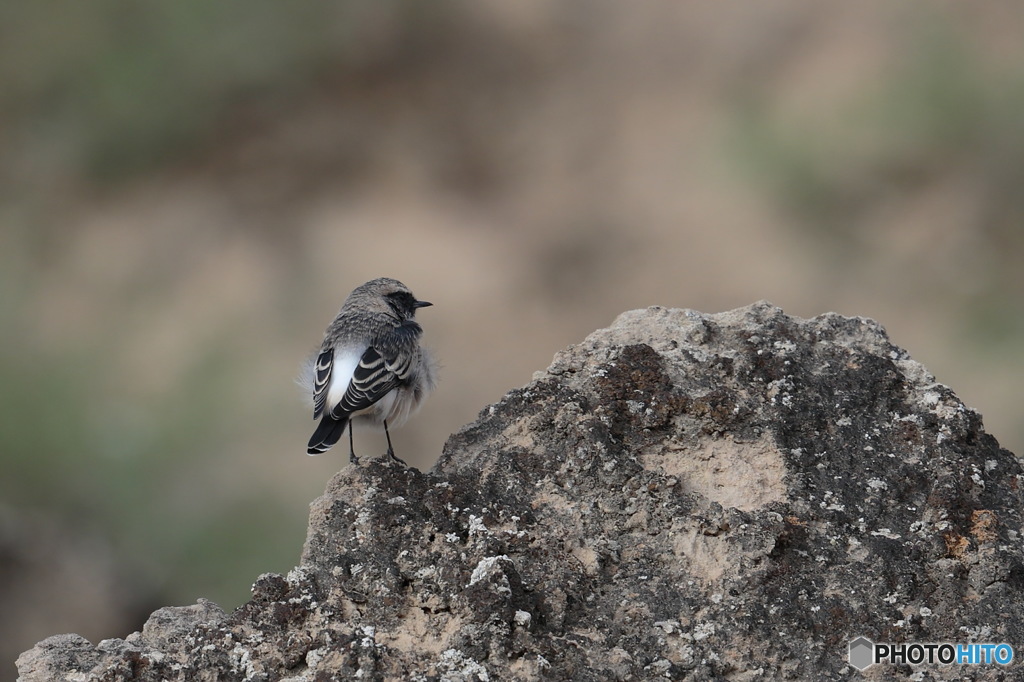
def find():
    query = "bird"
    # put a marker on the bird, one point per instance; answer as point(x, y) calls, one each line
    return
point(370, 369)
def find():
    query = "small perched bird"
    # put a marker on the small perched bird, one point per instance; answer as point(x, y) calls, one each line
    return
point(371, 368)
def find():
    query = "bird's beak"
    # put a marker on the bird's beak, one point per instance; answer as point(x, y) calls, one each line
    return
point(422, 304)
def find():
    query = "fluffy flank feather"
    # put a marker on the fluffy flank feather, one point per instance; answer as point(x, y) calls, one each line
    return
point(306, 378)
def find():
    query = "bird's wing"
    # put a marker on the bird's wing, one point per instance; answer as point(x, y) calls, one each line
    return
point(373, 377)
point(322, 380)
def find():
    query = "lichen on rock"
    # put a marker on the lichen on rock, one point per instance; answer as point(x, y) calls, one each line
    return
point(680, 496)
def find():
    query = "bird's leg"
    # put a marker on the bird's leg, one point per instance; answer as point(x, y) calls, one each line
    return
point(391, 450)
point(351, 446)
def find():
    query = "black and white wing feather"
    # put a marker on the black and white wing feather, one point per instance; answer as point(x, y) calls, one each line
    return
point(387, 364)
point(322, 380)
point(372, 379)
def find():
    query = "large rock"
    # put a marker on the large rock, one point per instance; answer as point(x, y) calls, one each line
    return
point(680, 496)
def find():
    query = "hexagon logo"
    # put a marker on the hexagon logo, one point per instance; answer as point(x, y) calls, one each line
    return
point(861, 653)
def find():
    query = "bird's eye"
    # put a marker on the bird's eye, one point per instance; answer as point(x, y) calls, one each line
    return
point(401, 301)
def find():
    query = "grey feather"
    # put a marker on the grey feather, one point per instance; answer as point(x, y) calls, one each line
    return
point(394, 372)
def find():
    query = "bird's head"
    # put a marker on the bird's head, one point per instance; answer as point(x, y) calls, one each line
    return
point(394, 296)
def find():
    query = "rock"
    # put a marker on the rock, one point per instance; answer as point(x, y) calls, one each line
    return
point(57, 658)
point(44, 561)
point(680, 496)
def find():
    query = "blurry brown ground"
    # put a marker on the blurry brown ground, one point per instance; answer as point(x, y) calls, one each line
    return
point(188, 196)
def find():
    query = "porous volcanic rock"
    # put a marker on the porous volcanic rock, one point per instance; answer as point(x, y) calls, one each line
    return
point(682, 496)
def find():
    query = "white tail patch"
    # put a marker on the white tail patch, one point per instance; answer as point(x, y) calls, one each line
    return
point(345, 362)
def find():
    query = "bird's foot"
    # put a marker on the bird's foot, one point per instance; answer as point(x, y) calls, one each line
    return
point(396, 458)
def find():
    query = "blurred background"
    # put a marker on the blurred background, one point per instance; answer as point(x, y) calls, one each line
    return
point(188, 191)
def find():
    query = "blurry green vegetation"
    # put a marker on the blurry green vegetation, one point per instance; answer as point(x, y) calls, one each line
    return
point(944, 116)
point(136, 474)
point(99, 92)
point(112, 87)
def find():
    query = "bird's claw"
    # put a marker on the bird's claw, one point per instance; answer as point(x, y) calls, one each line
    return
point(396, 458)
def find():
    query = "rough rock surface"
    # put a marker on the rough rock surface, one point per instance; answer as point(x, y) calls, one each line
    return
point(681, 496)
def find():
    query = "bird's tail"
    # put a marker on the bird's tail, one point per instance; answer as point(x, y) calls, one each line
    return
point(327, 433)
